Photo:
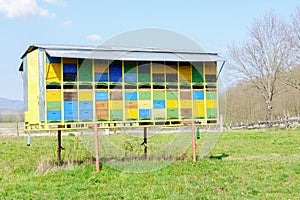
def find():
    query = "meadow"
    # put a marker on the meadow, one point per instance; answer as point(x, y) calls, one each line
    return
point(244, 164)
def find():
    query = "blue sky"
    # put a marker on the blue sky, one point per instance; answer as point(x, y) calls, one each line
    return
point(212, 24)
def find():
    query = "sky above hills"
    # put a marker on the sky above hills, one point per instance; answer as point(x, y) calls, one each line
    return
point(212, 24)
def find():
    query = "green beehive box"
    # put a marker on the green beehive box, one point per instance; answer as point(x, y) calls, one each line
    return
point(85, 70)
point(212, 113)
point(116, 115)
point(54, 105)
point(84, 61)
point(143, 77)
point(145, 95)
point(172, 113)
point(197, 68)
point(158, 95)
point(172, 95)
point(84, 77)
point(211, 95)
point(197, 78)
point(130, 68)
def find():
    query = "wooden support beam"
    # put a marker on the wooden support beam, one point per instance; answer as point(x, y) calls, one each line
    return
point(59, 147)
point(96, 147)
point(193, 141)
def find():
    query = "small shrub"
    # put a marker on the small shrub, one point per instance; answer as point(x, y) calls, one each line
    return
point(71, 134)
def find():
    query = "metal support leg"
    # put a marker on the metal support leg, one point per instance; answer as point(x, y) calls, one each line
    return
point(145, 142)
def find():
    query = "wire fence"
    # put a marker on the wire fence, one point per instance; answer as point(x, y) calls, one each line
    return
point(17, 128)
point(292, 122)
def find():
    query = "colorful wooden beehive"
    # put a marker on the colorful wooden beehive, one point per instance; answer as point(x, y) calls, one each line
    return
point(71, 86)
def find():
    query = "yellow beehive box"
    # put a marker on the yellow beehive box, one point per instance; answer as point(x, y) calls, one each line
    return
point(131, 113)
point(85, 96)
point(185, 77)
point(144, 104)
point(186, 104)
point(131, 104)
point(198, 108)
point(53, 95)
point(172, 103)
point(53, 72)
point(185, 69)
point(211, 104)
point(116, 104)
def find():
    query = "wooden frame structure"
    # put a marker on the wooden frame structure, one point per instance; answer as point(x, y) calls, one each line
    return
point(76, 87)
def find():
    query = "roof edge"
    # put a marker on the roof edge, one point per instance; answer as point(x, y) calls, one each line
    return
point(110, 48)
point(29, 49)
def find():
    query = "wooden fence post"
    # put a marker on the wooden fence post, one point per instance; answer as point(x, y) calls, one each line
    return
point(96, 147)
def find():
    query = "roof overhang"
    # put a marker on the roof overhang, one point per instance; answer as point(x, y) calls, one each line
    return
point(121, 53)
point(133, 55)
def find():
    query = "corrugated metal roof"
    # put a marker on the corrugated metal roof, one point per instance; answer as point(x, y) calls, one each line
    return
point(133, 55)
point(122, 53)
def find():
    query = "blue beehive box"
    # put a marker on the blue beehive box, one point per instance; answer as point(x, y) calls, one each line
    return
point(54, 115)
point(101, 96)
point(159, 104)
point(130, 96)
point(86, 115)
point(199, 95)
point(70, 68)
point(145, 113)
point(129, 77)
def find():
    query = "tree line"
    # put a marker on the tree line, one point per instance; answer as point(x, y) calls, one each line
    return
point(264, 71)
point(11, 117)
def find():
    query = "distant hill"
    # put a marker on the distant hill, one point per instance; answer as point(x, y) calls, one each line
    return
point(11, 104)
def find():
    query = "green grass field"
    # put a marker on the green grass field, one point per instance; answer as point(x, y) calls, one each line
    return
point(262, 164)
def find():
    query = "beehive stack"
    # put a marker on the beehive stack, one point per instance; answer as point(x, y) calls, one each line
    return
point(70, 90)
point(100, 90)
point(53, 91)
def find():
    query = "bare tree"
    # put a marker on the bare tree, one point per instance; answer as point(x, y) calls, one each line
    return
point(293, 77)
point(263, 57)
point(296, 32)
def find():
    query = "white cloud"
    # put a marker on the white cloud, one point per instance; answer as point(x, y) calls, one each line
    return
point(66, 24)
point(94, 37)
point(22, 8)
